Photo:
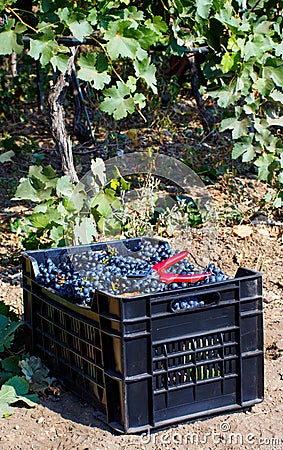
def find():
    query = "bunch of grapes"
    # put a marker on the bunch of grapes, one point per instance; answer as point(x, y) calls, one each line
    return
point(80, 275)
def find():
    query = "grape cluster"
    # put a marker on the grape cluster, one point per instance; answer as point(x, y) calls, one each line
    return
point(66, 280)
point(79, 275)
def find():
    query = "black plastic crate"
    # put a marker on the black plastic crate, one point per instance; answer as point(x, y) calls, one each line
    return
point(143, 365)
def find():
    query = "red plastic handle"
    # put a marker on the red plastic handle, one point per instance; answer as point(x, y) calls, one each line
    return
point(169, 277)
point(163, 265)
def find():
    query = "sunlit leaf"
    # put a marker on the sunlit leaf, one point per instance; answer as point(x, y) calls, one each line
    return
point(118, 101)
point(118, 44)
point(9, 41)
point(146, 70)
point(239, 127)
point(88, 72)
point(85, 230)
point(64, 186)
point(80, 29)
point(44, 50)
point(263, 163)
point(60, 62)
point(203, 8)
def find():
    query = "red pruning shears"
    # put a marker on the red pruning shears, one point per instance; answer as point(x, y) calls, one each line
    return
point(170, 277)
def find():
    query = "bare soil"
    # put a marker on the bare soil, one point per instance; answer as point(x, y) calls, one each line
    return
point(65, 423)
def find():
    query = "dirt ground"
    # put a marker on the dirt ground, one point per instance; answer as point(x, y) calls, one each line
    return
point(66, 423)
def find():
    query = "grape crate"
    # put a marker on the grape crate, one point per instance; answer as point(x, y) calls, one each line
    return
point(146, 353)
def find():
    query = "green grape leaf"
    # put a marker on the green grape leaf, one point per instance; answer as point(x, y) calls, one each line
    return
point(279, 49)
point(263, 163)
point(239, 127)
point(44, 50)
point(241, 147)
point(256, 47)
point(275, 73)
point(226, 95)
point(99, 171)
point(6, 156)
point(75, 203)
point(25, 191)
point(101, 62)
point(39, 220)
point(249, 154)
point(11, 364)
point(277, 96)
point(122, 46)
point(118, 101)
point(9, 38)
point(118, 43)
point(20, 385)
point(264, 86)
point(262, 27)
point(57, 234)
point(104, 202)
point(227, 17)
point(146, 71)
point(85, 230)
point(49, 172)
point(88, 72)
point(63, 14)
point(140, 100)
point(60, 62)
point(46, 177)
point(229, 62)
point(7, 330)
point(134, 16)
point(64, 186)
point(80, 29)
point(203, 8)
point(157, 25)
point(92, 17)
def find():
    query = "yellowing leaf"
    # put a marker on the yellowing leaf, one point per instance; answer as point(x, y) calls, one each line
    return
point(203, 8)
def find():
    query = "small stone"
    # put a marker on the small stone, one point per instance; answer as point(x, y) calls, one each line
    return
point(16, 427)
point(40, 420)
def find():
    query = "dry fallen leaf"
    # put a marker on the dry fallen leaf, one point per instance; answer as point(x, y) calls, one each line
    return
point(242, 231)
